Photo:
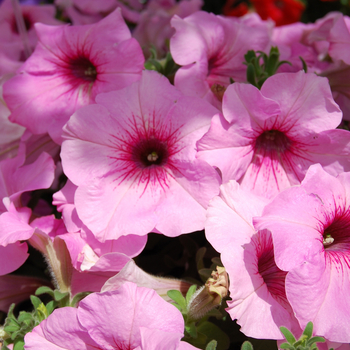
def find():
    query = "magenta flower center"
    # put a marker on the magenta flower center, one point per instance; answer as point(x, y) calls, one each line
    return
point(336, 236)
point(150, 152)
point(82, 68)
point(273, 140)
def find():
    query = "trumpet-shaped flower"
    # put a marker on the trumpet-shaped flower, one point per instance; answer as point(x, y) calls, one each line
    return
point(310, 225)
point(130, 318)
point(257, 290)
point(69, 67)
point(268, 138)
point(135, 164)
point(211, 50)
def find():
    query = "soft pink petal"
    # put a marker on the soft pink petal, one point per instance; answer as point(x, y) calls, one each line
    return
point(12, 257)
point(137, 307)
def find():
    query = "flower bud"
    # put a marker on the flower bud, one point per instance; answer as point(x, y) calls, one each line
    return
point(210, 295)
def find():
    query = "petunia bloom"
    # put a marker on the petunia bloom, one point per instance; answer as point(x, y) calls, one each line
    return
point(257, 291)
point(267, 139)
point(211, 50)
point(310, 226)
point(130, 318)
point(135, 164)
point(69, 67)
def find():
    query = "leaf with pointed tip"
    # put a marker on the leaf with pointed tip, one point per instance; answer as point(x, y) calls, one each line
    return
point(178, 298)
point(287, 346)
point(35, 301)
point(288, 335)
point(308, 330)
point(247, 346)
point(211, 345)
point(59, 295)
point(44, 290)
point(190, 292)
point(315, 340)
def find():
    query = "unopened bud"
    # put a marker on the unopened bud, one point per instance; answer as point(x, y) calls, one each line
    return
point(210, 295)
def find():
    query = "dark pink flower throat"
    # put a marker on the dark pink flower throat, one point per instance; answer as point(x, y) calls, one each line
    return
point(273, 140)
point(82, 68)
point(149, 152)
point(336, 236)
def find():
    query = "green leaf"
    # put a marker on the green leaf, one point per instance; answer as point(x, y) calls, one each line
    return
point(50, 306)
point(42, 312)
point(178, 298)
point(44, 290)
point(11, 329)
point(308, 330)
point(18, 344)
point(211, 345)
point(287, 346)
point(59, 295)
point(78, 297)
point(251, 74)
point(212, 331)
point(35, 301)
point(315, 340)
point(288, 335)
point(249, 56)
point(23, 316)
point(190, 292)
point(191, 329)
point(149, 66)
point(247, 346)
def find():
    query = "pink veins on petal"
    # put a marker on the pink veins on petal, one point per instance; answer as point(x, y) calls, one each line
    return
point(77, 69)
point(275, 153)
point(145, 152)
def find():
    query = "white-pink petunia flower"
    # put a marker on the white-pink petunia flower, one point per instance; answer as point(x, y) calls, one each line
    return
point(135, 164)
point(310, 226)
point(211, 50)
point(130, 318)
point(69, 67)
point(267, 139)
point(257, 293)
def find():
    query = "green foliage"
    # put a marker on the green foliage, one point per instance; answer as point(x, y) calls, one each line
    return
point(15, 329)
point(247, 346)
point(165, 66)
point(262, 66)
point(201, 334)
point(305, 342)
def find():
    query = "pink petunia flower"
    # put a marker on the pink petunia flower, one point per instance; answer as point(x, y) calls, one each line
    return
point(130, 318)
point(68, 68)
point(257, 290)
point(324, 47)
point(267, 139)
point(310, 226)
point(211, 50)
point(135, 165)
